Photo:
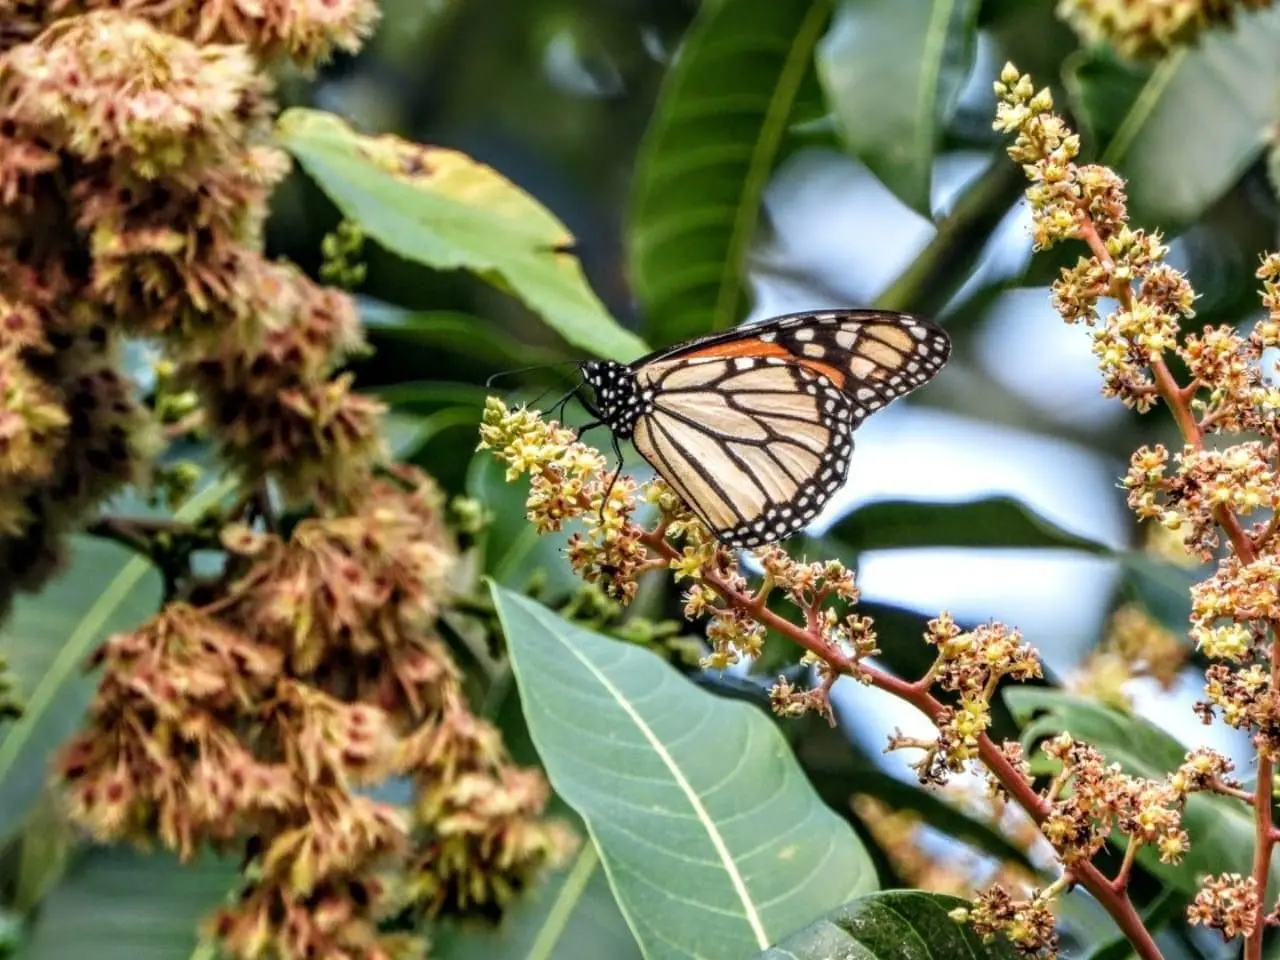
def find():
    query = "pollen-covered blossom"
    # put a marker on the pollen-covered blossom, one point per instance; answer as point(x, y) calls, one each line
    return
point(1150, 28)
point(1218, 493)
point(569, 481)
point(1028, 924)
point(1075, 201)
point(1087, 801)
point(969, 664)
point(1090, 798)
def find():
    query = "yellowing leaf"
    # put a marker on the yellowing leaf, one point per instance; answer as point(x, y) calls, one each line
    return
point(441, 208)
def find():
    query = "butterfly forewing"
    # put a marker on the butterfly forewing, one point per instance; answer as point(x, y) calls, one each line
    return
point(752, 428)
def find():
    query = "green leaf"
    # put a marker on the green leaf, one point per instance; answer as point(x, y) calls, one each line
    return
point(117, 904)
point(893, 72)
point(1162, 588)
point(1200, 120)
point(713, 842)
point(1220, 828)
point(570, 915)
point(1002, 522)
point(983, 522)
point(893, 925)
point(423, 397)
point(1102, 89)
point(105, 589)
point(453, 212)
point(514, 554)
point(454, 334)
point(720, 122)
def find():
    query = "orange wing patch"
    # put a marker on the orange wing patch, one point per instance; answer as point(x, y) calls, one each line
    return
point(760, 349)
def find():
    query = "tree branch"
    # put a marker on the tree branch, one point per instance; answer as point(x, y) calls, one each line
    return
point(1114, 899)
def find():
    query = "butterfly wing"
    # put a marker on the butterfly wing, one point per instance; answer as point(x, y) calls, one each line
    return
point(752, 427)
point(755, 448)
point(875, 356)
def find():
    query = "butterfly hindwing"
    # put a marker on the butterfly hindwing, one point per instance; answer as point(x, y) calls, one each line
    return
point(755, 446)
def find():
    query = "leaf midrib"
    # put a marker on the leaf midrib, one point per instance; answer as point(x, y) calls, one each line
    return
point(761, 164)
point(701, 813)
point(926, 104)
point(76, 646)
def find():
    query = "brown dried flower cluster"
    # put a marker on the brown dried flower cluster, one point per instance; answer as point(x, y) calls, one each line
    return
point(135, 173)
point(306, 32)
point(1150, 28)
point(258, 715)
point(1221, 501)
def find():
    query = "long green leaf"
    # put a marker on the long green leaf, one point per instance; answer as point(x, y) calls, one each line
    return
point(453, 213)
point(118, 904)
point(47, 637)
point(982, 522)
point(452, 333)
point(894, 925)
point(570, 914)
point(721, 119)
point(1221, 829)
point(713, 842)
point(1203, 116)
point(892, 72)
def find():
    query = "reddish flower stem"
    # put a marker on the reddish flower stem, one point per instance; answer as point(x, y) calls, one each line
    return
point(1113, 897)
point(1178, 400)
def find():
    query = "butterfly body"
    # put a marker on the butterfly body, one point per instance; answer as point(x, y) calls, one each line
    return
point(753, 427)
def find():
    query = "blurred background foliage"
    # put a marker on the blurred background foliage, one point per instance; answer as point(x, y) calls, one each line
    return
point(718, 162)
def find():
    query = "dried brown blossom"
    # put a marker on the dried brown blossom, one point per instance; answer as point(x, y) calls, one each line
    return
point(1027, 924)
point(1228, 903)
point(135, 174)
point(110, 86)
point(350, 601)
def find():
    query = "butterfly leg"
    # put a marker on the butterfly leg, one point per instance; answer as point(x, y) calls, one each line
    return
point(617, 449)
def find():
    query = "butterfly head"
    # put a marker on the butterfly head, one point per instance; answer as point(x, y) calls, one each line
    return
point(617, 399)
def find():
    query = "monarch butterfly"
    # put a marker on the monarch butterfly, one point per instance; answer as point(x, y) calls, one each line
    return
point(753, 427)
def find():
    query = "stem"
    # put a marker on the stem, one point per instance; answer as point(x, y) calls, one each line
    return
point(140, 533)
point(941, 268)
point(1114, 899)
point(1121, 879)
point(1178, 400)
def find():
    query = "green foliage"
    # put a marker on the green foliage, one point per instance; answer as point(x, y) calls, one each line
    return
point(712, 841)
point(118, 904)
point(984, 522)
point(886, 926)
point(892, 72)
point(443, 209)
point(709, 151)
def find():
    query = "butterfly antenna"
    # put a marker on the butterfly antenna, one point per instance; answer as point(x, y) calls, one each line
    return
point(536, 366)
